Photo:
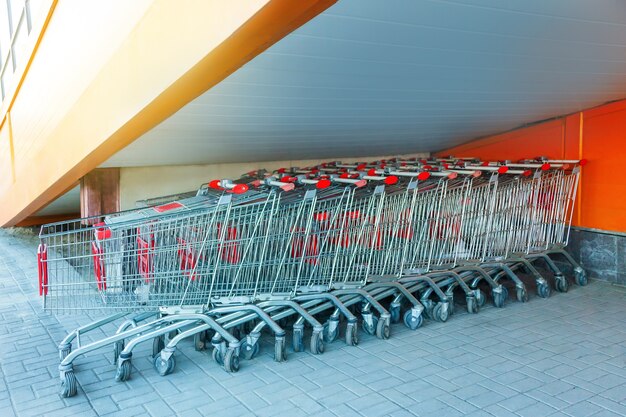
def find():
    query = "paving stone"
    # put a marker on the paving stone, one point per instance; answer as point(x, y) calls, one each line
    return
point(486, 399)
point(582, 409)
point(104, 405)
point(538, 409)
point(575, 395)
point(608, 404)
point(517, 402)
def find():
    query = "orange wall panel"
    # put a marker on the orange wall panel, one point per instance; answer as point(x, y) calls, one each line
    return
point(603, 185)
point(598, 135)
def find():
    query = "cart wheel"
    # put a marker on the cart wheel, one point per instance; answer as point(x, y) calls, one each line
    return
point(64, 351)
point(231, 361)
point(280, 353)
point(118, 347)
point(394, 310)
point(522, 295)
point(68, 384)
point(411, 321)
point(480, 297)
point(352, 338)
point(249, 351)
point(543, 290)
point(561, 284)
point(383, 330)
point(298, 340)
point(198, 341)
point(451, 306)
point(123, 371)
point(370, 329)
point(158, 343)
point(164, 367)
point(581, 277)
point(317, 343)
point(500, 297)
point(428, 308)
point(217, 356)
point(472, 305)
point(330, 337)
point(440, 313)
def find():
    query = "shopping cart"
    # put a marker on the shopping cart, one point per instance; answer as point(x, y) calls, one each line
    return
point(326, 241)
point(173, 259)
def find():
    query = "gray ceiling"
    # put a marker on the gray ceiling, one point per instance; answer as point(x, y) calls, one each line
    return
point(374, 77)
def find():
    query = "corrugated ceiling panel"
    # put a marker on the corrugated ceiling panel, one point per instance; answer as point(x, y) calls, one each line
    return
point(369, 77)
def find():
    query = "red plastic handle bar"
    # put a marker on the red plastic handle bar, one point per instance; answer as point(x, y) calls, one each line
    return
point(42, 268)
point(98, 266)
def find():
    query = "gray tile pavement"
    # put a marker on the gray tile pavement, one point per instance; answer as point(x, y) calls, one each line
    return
point(565, 356)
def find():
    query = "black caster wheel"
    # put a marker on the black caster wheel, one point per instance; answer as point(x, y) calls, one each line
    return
point(217, 357)
point(330, 337)
point(429, 306)
point(164, 367)
point(68, 384)
point(231, 361)
point(317, 343)
point(411, 321)
point(123, 371)
point(370, 329)
point(199, 341)
point(383, 330)
point(480, 298)
point(522, 295)
point(581, 277)
point(441, 313)
point(472, 305)
point(500, 298)
point(543, 290)
point(561, 284)
point(250, 351)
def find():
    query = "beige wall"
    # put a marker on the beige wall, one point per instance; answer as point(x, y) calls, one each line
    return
point(140, 183)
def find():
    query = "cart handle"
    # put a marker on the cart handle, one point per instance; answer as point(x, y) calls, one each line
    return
point(499, 169)
point(285, 186)
point(543, 166)
point(423, 175)
point(355, 182)
point(320, 184)
point(474, 173)
point(581, 162)
point(228, 185)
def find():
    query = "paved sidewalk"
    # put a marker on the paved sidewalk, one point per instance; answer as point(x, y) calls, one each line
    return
point(565, 356)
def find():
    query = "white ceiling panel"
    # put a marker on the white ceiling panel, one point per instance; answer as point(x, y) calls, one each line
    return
point(374, 77)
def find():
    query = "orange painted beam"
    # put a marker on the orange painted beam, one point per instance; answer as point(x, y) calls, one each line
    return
point(122, 102)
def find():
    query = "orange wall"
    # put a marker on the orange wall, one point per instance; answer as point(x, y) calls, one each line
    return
point(597, 134)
